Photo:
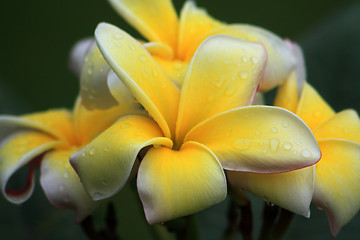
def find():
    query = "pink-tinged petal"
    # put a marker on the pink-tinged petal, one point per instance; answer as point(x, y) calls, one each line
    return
point(219, 79)
point(77, 55)
point(195, 24)
point(344, 125)
point(287, 95)
point(104, 165)
point(62, 185)
point(291, 190)
point(94, 90)
point(337, 182)
point(281, 60)
point(17, 151)
point(141, 74)
point(173, 184)
point(300, 69)
point(156, 20)
point(312, 108)
point(258, 139)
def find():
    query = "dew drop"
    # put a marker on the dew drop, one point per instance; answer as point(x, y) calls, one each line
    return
point(102, 69)
point(274, 144)
point(285, 124)
point(230, 91)
point(131, 46)
point(142, 57)
point(244, 59)
point(254, 59)
point(244, 74)
point(106, 148)
point(270, 204)
point(274, 130)
point(118, 36)
point(287, 146)
point(306, 153)
point(90, 69)
point(265, 150)
point(146, 75)
point(83, 154)
point(104, 182)
point(242, 144)
point(298, 143)
point(92, 151)
point(218, 82)
point(65, 174)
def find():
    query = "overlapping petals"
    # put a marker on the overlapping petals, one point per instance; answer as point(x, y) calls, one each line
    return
point(173, 41)
point(338, 134)
point(222, 79)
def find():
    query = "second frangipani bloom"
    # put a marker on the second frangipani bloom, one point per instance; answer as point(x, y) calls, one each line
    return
point(194, 133)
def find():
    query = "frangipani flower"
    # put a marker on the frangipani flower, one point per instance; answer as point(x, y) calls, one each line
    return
point(194, 133)
point(47, 140)
point(173, 41)
point(337, 178)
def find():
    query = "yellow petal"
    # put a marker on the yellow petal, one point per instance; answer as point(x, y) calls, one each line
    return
point(281, 60)
point(17, 150)
point(156, 20)
point(195, 24)
point(90, 123)
point(312, 108)
point(94, 90)
point(62, 185)
point(291, 190)
point(58, 123)
point(141, 74)
point(104, 165)
point(160, 49)
point(337, 188)
point(259, 139)
point(219, 79)
point(172, 183)
point(176, 70)
point(344, 125)
point(287, 94)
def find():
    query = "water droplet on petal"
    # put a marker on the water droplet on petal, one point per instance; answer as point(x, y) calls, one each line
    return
point(142, 57)
point(244, 59)
point(118, 36)
point(244, 74)
point(131, 46)
point(92, 151)
point(274, 130)
point(254, 59)
point(306, 153)
point(287, 146)
point(106, 148)
point(285, 124)
point(298, 143)
point(274, 144)
point(65, 174)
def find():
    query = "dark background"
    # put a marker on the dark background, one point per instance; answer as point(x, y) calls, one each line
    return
point(36, 37)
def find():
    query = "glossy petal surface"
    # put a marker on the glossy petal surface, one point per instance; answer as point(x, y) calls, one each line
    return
point(172, 183)
point(94, 90)
point(62, 185)
point(195, 23)
point(281, 60)
point(156, 20)
point(291, 190)
point(260, 139)
point(337, 188)
point(344, 125)
point(287, 95)
point(141, 74)
point(104, 165)
point(312, 108)
point(219, 80)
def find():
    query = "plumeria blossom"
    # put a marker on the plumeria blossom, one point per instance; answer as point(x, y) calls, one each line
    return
point(47, 140)
point(337, 179)
point(193, 133)
point(173, 40)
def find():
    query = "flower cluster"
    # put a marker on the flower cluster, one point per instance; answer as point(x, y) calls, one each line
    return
point(177, 112)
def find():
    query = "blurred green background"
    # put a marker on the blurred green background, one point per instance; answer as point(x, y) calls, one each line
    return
point(36, 37)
